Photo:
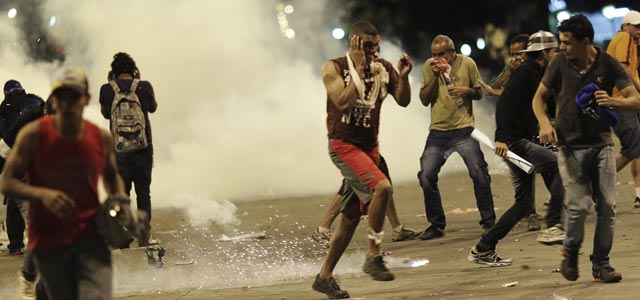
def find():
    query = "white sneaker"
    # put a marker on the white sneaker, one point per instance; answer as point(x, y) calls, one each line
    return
point(26, 289)
point(552, 235)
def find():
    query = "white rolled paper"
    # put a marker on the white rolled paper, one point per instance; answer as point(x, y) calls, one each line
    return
point(512, 157)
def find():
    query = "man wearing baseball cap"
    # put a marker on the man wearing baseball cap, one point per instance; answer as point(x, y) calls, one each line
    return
point(74, 263)
point(13, 94)
point(516, 126)
point(624, 48)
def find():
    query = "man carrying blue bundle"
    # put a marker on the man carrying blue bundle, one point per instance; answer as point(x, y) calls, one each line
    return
point(586, 158)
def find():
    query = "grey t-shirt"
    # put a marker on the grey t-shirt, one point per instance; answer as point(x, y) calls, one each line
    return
point(574, 128)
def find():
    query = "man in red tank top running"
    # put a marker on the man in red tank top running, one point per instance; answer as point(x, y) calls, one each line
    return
point(63, 157)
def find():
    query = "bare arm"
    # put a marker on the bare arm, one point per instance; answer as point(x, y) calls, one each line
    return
point(343, 97)
point(403, 93)
point(636, 83)
point(502, 79)
point(16, 168)
point(489, 89)
point(113, 183)
point(547, 132)
point(631, 102)
point(429, 92)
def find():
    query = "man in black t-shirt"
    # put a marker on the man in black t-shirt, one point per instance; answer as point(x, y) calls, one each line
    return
point(586, 159)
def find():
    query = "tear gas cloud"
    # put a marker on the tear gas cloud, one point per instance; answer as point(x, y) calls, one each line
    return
point(241, 109)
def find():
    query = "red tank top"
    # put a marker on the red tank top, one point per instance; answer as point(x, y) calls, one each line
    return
point(74, 167)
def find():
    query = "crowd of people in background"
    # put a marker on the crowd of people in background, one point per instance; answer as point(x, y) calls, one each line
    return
point(558, 100)
point(52, 162)
point(559, 97)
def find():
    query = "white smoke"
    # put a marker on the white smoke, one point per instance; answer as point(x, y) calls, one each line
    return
point(203, 211)
point(241, 109)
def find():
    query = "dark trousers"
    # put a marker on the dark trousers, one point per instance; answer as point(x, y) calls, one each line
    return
point(135, 169)
point(545, 163)
point(76, 272)
point(440, 145)
point(15, 225)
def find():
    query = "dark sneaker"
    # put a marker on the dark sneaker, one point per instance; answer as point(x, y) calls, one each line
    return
point(404, 234)
point(490, 258)
point(432, 233)
point(636, 203)
point(606, 274)
point(533, 222)
point(376, 269)
point(324, 238)
point(16, 252)
point(330, 287)
point(569, 266)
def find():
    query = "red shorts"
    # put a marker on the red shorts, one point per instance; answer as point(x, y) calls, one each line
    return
point(359, 168)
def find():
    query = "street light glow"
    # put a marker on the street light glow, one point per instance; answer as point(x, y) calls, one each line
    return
point(337, 33)
point(52, 21)
point(465, 49)
point(480, 43)
point(611, 12)
point(563, 15)
point(12, 13)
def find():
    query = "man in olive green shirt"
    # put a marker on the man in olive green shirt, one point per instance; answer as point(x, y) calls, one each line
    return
point(450, 92)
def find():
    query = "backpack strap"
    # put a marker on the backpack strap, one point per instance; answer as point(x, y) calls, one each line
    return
point(115, 86)
point(134, 85)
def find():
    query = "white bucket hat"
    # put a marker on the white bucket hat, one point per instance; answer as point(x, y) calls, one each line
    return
point(541, 40)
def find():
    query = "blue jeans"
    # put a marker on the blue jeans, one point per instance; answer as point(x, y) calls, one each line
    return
point(589, 176)
point(545, 162)
point(440, 145)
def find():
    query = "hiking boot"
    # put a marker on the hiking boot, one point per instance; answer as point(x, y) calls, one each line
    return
point(636, 203)
point(490, 258)
point(605, 273)
point(432, 233)
point(533, 222)
point(26, 289)
point(552, 235)
point(330, 287)
point(324, 238)
point(569, 266)
point(375, 268)
point(404, 234)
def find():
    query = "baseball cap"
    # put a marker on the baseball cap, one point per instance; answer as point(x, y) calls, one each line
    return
point(11, 86)
point(541, 40)
point(632, 17)
point(73, 79)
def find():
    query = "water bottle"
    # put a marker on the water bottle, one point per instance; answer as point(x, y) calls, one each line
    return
point(450, 85)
